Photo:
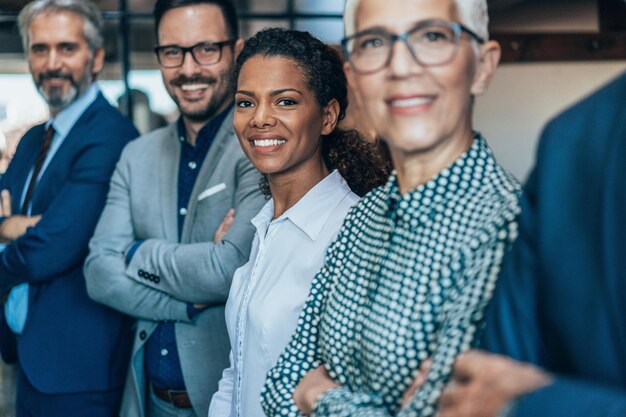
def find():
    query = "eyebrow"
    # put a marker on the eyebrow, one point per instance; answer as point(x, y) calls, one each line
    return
point(272, 93)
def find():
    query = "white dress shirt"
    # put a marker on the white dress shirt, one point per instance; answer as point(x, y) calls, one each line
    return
point(268, 292)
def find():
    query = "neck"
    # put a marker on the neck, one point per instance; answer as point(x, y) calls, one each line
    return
point(288, 188)
point(415, 169)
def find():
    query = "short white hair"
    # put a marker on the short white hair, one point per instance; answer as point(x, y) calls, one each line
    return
point(473, 14)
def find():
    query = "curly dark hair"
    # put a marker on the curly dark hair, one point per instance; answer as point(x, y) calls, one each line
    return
point(362, 164)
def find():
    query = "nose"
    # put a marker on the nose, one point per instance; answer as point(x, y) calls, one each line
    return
point(190, 66)
point(263, 117)
point(53, 61)
point(402, 62)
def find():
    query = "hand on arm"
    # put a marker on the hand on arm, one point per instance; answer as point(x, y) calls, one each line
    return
point(224, 227)
point(13, 226)
point(483, 384)
point(221, 231)
point(311, 387)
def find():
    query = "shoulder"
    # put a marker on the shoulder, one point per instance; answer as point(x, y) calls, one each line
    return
point(491, 204)
point(102, 117)
point(151, 141)
point(363, 213)
point(590, 123)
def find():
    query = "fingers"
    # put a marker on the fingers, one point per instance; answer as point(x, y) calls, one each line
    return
point(33, 220)
point(419, 380)
point(5, 203)
point(225, 226)
point(311, 387)
point(469, 364)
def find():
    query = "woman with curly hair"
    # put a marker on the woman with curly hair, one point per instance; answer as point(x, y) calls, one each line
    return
point(291, 93)
point(405, 284)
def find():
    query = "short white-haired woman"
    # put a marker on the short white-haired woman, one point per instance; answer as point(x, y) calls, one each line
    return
point(415, 263)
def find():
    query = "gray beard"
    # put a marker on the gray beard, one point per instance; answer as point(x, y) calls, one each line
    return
point(58, 101)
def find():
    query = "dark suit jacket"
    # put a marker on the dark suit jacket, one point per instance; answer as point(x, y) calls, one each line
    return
point(561, 299)
point(70, 343)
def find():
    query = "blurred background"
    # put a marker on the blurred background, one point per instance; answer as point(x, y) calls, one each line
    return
point(554, 53)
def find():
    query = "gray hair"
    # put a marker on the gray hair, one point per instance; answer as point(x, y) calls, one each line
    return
point(473, 14)
point(92, 18)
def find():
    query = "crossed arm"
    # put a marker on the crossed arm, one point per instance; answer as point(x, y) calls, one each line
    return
point(13, 226)
point(197, 273)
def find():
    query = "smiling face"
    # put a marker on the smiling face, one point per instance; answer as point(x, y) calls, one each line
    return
point(199, 91)
point(421, 110)
point(59, 57)
point(278, 120)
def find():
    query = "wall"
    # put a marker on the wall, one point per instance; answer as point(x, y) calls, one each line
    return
point(523, 97)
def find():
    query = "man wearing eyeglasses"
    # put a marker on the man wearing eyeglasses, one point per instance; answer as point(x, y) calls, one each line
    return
point(161, 252)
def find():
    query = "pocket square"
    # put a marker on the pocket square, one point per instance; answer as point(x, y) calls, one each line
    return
point(211, 190)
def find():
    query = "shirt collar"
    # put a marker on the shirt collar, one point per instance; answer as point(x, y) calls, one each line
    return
point(310, 213)
point(475, 156)
point(67, 118)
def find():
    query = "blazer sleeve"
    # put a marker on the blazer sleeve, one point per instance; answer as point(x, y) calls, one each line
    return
point(572, 398)
point(58, 243)
point(201, 273)
point(105, 267)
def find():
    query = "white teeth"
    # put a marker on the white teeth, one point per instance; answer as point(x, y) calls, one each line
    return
point(269, 142)
point(410, 102)
point(193, 87)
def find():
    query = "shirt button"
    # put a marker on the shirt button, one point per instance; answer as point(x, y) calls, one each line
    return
point(164, 352)
point(182, 211)
point(192, 165)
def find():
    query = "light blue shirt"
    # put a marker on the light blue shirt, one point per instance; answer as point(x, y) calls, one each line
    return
point(16, 306)
point(268, 293)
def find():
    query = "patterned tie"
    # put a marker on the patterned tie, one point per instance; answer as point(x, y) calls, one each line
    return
point(43, 151)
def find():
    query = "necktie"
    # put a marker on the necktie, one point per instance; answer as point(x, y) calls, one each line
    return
point(43, 151)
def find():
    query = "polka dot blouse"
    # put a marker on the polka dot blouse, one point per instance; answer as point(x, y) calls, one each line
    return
point(407, 279)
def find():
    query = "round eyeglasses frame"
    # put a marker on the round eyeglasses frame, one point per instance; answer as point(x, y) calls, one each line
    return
point(457, 29)
point(158, 50)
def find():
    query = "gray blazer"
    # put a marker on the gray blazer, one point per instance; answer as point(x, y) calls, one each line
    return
point(165, 274)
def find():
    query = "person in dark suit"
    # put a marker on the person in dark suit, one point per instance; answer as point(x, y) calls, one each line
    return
point(72, 352)
point(560, 305)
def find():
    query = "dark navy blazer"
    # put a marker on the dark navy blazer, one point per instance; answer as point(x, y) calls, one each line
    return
point(70, 343)
point(561, 299)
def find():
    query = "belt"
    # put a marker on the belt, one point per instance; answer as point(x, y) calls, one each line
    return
point(179, 399)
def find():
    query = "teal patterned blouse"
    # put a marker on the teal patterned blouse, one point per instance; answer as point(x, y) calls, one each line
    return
point(407, 279)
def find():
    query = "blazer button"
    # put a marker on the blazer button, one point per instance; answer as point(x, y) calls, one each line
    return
point(142, 335)
point(141, 273)
point(157, 279)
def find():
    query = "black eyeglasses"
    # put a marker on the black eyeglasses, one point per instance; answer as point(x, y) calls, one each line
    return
point(431, 42)
point(204, 53)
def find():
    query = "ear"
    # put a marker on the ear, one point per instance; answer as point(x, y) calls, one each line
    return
point(330, 116)
point(238, 47)
point(98, 61)
point(487, 63)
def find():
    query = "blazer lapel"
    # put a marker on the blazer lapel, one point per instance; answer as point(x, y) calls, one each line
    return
point(223, 135)
point(76, 133)
point(23, 165)
point(168, 180)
